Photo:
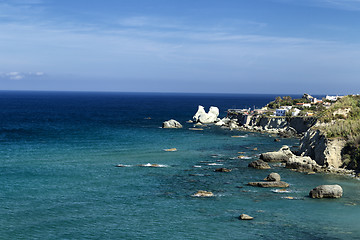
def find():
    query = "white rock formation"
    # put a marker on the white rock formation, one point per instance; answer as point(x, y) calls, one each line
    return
point(203, 117)
point(171, 124)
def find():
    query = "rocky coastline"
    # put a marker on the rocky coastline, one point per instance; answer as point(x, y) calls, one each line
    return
point(316, 152)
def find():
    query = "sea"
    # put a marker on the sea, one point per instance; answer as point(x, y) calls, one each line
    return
point(59, 179)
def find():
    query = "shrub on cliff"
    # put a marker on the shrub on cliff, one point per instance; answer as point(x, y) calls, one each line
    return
point(344, 116)
point(351, 154)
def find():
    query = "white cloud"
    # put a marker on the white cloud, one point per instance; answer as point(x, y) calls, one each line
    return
point(20, 76)
point(14, 75)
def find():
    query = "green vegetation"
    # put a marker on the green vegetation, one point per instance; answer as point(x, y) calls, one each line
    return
point(286, 101)
point(351, 154)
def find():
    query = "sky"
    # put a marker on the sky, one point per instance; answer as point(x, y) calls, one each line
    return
point(197, 46)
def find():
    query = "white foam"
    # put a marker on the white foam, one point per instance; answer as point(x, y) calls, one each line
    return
point(153, 165)
point(280, 191)
point(215, 164)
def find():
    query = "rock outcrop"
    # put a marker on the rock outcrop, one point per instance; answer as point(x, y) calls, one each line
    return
point(299, 163)
point(283, 155)
point(259, 164)
point(203, 117)
point(327, 191)
point(284, 126)
point(171, 124)
point(303, 164)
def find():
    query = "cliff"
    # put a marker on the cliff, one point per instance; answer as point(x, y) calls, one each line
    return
point(326, 152)
point(279, 125)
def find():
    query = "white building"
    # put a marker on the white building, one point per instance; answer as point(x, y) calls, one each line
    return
point(295, 112)
point(333, 98)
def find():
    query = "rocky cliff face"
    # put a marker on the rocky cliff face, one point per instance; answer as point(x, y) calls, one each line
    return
point(297, 125)
point(326, 152)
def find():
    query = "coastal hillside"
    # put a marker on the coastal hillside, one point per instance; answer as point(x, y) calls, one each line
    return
point(329, 129)
point(341, 122)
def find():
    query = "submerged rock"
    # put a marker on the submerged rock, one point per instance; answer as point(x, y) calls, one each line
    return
point(245, 217)
point(171, 124)
point(202, 193)
point(327, 191)
point(259, 164)
point(222, 170)
point(278, 184)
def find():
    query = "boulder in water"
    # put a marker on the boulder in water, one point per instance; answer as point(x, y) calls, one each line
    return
point(327, 191)
point(273, 177)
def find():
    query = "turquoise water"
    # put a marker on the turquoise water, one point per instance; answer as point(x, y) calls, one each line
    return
point(59, 181)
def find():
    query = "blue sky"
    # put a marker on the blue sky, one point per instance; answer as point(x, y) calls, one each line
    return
point(232, 46)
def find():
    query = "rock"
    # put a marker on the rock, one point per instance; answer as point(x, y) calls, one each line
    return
point(303, 164)
point(255, 149)
point(277, 140)
point(222, 170)
point(202, 193)
point(327, 191)
point(273, 177)
point(259, 164)
point(245, 217)
point(279, 184)
point(171, 124)
point(203, 117)
point(282, 155)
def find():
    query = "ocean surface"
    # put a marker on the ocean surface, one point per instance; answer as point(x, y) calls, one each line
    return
point(59, 180)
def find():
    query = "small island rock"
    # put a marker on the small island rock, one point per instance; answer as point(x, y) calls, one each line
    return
point(171, 124)
point(327, 191)
point(202, 193)
point(245, 217)
point(203, 117)
point(279, 184)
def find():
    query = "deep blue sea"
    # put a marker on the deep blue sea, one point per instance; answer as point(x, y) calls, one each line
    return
point(58, 180)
